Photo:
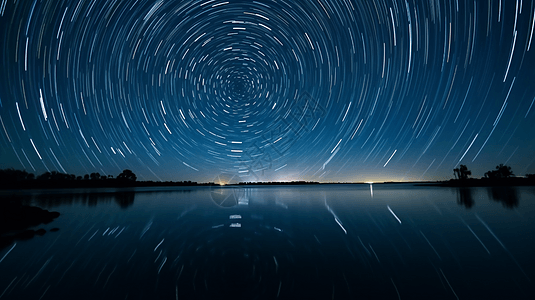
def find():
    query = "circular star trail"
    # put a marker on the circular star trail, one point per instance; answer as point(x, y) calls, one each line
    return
point(267, 90)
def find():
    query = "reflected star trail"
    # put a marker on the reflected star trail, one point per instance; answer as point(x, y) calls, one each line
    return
point(270, 90)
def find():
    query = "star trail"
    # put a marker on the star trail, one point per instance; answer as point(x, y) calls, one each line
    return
point(323, 90)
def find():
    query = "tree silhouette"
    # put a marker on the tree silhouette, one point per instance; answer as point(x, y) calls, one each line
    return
point(457, 173)
point(12, 175)
point(462, 172)
point(45, 176)
point(502, 171)
point(95, 176)
point(127, 175)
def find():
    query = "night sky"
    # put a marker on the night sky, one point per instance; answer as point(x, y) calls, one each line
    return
point(323, 90)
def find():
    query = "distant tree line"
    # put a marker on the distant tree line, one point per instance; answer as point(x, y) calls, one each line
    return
point(11, 178)
point(20, 179)
point(502, 171)
point(502, 174)
point(21, 175)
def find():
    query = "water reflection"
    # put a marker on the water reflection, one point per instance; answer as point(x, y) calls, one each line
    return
point(19, 212)
point(313, 242)
point(123, 198)
point(465, 198)
point(263, 249)
point(507, 195)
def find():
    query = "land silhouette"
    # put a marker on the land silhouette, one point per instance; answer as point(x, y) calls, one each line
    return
point(20, 179)
point(16, 220)
point(13, 179)
point(502, 175)
point(500, 184)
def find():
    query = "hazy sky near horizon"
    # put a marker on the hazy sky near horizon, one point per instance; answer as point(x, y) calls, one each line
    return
point(324, 90)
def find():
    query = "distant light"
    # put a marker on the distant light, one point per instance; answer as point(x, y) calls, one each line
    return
point(369, 182)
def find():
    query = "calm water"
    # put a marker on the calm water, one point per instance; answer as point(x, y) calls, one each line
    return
point(295, 242)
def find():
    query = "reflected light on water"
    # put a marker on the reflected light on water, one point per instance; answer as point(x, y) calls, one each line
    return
point(371, 188)
point(290, 242)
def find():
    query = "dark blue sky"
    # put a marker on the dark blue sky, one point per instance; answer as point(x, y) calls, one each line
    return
point(268, 90)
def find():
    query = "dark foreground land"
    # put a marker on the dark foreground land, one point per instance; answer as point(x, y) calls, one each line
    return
point(17, 221)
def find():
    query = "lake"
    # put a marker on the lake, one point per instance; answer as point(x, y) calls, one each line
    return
point(388, 241)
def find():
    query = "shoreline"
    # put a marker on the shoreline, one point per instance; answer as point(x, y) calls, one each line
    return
point(485, 182)
point(148, 184)
point(109, 184)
